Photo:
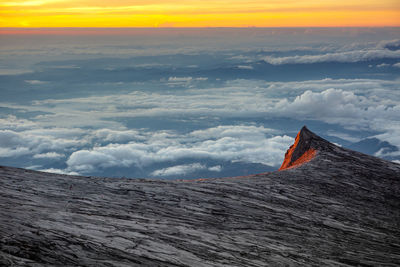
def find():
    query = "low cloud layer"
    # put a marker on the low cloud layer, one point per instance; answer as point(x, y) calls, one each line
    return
point(89, 131)
point(184, 169)
point(16, 144)
point(48, 155)
point(172, 104)
point(230, 143)
point(238, 98)
point(353, 54)
point(338, 106)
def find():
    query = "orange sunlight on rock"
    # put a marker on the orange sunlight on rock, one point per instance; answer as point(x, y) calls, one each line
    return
point(288, 162)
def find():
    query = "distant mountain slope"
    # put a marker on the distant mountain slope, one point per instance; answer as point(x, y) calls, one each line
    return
point(336, 208)
point(373, 145)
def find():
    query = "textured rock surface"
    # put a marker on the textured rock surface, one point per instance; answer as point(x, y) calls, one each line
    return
point(342, 208)
point(303, 150)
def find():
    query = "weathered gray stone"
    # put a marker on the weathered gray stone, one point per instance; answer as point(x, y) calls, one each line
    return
point(340, 209)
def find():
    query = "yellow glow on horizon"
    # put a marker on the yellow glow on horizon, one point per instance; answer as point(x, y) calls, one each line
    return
point(206, 13)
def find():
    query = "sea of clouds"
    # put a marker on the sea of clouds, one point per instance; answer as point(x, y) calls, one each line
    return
point(194, 108)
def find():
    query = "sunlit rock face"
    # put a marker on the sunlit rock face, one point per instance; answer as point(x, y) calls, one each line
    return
point(302, 150)
point(328, 206)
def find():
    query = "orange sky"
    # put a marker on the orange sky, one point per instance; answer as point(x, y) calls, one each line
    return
point(204, 13)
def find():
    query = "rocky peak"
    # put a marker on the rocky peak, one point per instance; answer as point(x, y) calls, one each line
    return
point(304, 149)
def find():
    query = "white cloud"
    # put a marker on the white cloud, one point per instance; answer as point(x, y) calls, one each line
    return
point(185, 169)
point(11, 122)
point(338, 106)
point(179, 170)
point(33, 167)
point(14, 152)
point(238, 131)
point(180, 79)
point(36, 82)
point(14, 71)
point(346, 56)
point(201, 79)
point(239, 98)
point(216, 168)
point(383, 65)
point(66, 67)
point(391, 134)
point(48, 155)
point(331, 103)
point(349, 110)
point(20, 141)
point(386, 152)
point(353, 103)
point(235, 143)
point(118, 136)
point(389, 43)
point(245, 67)
point(396, 65)
point(58, 171)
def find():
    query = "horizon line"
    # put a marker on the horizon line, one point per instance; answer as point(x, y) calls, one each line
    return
point(201, 27)
point(77, 31)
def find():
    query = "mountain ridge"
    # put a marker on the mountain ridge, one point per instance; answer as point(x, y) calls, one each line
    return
point(340, 208)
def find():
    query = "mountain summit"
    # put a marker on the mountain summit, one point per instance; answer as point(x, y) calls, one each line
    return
point(328, 206)
point(305, 148)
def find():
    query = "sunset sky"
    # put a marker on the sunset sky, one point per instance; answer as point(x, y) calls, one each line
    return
point(205, 13)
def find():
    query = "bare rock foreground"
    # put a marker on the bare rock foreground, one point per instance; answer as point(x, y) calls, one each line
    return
point(336, 208)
